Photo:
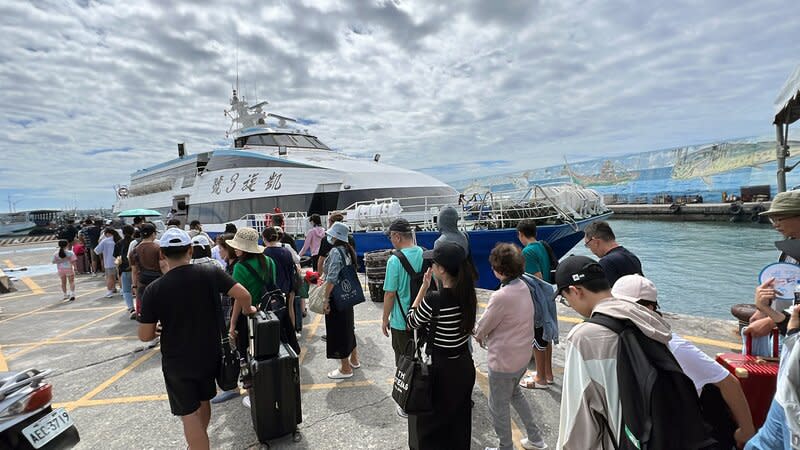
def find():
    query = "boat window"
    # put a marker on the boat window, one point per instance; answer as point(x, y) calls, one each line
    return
point(261, 139)
point(284, 140)
point(303, 142)
point(317, 143)
point(239, 143)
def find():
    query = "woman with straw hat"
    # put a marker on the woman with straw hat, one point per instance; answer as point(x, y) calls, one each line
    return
point(248, 253)
point(340, 325)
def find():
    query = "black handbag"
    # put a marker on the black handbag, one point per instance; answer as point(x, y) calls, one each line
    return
point(228, 375)
point(348, 291)
point(412, 389)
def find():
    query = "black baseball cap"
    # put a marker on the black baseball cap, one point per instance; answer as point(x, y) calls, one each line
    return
point(447, 254)
point(577, 270)
point(400, 226)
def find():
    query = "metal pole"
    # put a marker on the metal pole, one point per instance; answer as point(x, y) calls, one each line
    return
point(781, 154)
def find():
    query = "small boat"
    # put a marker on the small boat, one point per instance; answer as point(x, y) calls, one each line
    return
point(16, 224)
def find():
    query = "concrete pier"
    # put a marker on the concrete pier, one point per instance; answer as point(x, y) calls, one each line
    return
point(714, 212)
point(113, 387)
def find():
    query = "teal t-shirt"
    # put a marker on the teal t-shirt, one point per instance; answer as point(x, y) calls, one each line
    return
point(537, 260)
point(398, 281)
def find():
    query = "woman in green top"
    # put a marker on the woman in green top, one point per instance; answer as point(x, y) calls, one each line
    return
point(248, 252)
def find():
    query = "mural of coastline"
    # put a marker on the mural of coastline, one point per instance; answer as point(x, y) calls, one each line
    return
point(710, 171)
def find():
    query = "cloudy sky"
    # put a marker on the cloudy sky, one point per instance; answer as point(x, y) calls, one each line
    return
point(92, 90)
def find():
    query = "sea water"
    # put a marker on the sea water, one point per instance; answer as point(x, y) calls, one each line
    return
point(699, 268)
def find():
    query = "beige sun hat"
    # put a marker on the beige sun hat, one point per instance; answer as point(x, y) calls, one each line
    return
point(785, 203)
point(246, 240)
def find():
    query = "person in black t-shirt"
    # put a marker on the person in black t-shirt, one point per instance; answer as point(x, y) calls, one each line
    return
point(616, 260)
point(186, 302)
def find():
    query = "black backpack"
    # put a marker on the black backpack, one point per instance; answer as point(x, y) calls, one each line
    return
point(553, 260)
point(660, 406)
point(416, 277)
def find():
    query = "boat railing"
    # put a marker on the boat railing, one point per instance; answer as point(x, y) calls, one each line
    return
point(490, 210)
point(295, 223)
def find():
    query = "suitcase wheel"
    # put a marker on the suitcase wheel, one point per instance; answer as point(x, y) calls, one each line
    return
point(296, 436)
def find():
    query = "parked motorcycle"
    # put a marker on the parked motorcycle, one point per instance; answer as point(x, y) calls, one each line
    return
point(27, 420)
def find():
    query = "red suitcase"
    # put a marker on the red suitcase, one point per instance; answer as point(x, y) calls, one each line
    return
point(758, 376)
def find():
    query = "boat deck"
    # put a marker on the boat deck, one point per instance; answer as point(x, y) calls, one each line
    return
point(113, 386)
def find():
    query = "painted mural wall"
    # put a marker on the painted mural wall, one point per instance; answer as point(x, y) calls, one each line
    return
point(709, 170)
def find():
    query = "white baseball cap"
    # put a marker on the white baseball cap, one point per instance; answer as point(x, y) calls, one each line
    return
point(634, 288)
point(175, 237)
point(200, 241)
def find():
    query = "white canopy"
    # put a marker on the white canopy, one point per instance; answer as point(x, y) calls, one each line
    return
point(787, 105)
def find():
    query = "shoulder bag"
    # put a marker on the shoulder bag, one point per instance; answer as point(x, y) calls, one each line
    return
point(348, 291)
point(316, 298)
point(228, 375)
point(413, 383)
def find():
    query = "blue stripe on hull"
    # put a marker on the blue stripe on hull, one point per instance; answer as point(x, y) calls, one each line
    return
point(562, 238)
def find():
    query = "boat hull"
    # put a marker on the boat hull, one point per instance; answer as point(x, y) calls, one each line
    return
point(562, 238)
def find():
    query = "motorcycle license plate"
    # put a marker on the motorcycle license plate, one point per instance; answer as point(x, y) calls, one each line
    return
point(47, 428)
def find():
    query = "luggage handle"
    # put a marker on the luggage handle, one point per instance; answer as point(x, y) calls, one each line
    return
point(748, 343)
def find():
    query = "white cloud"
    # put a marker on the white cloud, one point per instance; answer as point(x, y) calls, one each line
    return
point(426, 84)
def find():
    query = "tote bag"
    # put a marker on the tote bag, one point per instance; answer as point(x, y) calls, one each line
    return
point(348, 291)
point(316, 298)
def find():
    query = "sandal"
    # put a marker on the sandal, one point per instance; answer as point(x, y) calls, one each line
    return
point(529, 383)
point(338, 375)
point(355, 366)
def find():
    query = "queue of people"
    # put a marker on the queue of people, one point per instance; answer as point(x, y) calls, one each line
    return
point(434, 291)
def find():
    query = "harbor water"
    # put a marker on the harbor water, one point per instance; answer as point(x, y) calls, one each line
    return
point(699, 268)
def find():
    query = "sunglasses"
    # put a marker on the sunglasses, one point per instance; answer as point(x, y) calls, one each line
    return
point(777, 219)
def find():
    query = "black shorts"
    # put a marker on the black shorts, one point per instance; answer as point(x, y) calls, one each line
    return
point(185, 392)
point(538, 339)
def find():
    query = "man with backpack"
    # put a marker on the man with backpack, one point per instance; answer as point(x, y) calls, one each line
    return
point(622, 387)
point(539, 263)
point(404, 274)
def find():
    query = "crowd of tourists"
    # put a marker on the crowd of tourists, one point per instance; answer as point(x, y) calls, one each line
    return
point(430, 303)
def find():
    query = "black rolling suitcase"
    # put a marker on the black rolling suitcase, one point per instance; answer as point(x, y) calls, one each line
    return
point(275, 395)
point(265, 335)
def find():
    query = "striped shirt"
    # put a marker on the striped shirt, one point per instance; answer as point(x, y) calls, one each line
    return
point(448, 337)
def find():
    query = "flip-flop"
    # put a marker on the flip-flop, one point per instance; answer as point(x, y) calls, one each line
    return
point(355, 366)
point(528, 383)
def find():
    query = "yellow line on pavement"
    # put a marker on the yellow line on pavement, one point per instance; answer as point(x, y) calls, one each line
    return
point(114, 378)
point(18, 296)
point(72, 341)
point(483, 384)
point(3, 363)
point(312, 330)
point(68, 332)
point(336, 385)
point(714, 342)
point(35, 289)
point(40, 309)
point(97, 308)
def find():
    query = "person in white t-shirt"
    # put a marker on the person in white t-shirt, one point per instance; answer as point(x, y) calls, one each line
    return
point(700, 368)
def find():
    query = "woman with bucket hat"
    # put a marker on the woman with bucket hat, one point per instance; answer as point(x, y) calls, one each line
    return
point(340, 324)
point(248, 253)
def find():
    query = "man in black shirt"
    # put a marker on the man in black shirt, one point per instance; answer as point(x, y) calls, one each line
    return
point(186, 302)
point(69, 233)
point(616, 260)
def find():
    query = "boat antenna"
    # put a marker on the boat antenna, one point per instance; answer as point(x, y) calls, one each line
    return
point(237, 62)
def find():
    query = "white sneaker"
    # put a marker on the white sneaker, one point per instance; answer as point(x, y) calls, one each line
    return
point(401, 413)
point(246, 401)
point(109, 294)
point(66, 295)
point(528, 445)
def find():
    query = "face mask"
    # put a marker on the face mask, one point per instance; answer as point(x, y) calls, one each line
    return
point(331, 239)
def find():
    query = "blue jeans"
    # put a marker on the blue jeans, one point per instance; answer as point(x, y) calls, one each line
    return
point(127, 293)
point(774, 434)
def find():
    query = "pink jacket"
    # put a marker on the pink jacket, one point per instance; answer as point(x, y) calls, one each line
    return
point(507, 327)
point(314, 237)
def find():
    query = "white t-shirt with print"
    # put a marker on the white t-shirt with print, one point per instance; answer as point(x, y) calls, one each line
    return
point(695, 364)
